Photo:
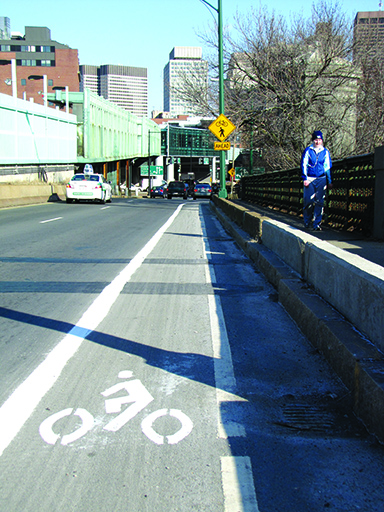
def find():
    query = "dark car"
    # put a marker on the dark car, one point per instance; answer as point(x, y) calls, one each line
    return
point(159, 191)
point(202, 190)
point(177, 188)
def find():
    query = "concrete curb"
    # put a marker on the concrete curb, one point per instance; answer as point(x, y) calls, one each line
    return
point(358, 363)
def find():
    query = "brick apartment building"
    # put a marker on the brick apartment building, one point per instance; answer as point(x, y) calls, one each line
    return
point(36, 55)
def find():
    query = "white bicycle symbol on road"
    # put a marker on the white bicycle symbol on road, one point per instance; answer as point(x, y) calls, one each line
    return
point(138, 396)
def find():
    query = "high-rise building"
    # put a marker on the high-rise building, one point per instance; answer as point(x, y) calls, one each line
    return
point(36, 55)
point(368, 34)
point(185, 65)
point(89, 78)
point(126, 86)
point(5, 28)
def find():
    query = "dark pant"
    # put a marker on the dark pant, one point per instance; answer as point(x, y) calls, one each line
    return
point(314, 201)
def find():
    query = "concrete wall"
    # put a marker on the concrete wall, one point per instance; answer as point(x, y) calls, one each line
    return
point(19, 195)
point(351, 284)
point(33, 134)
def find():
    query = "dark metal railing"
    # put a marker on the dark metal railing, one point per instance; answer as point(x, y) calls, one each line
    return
point(349, 204)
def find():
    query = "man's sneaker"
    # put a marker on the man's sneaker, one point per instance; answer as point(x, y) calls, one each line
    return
point(317, 228)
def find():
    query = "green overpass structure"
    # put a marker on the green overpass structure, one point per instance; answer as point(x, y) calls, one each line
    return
point(116, 142)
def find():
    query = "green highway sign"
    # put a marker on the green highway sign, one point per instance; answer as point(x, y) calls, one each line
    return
point(156, 170)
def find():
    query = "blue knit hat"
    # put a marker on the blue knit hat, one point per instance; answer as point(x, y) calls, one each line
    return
point(317, 135)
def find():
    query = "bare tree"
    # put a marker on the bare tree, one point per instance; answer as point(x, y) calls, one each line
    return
point(283, 80)
point(287, 80)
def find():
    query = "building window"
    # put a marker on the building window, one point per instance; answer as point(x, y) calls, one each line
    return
point(28, 62)
point(45, 63)
point(28, 48)
point(45, 48)
point(5, 47)
point(50, 82)
point(23, 81)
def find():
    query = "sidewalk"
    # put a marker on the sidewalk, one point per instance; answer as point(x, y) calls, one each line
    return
point(322, 295)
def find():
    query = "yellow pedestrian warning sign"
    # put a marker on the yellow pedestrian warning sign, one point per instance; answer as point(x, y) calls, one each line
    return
point(222, 127)
point(232, 172)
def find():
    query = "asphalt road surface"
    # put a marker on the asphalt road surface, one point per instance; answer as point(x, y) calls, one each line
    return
point(146, 366)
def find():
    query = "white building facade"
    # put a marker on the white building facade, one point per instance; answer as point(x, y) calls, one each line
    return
point(126, 86)
point(185, 64)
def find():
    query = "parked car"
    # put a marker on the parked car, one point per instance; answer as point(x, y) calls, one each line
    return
point(159, 191)
point(177, 188)
point(202, 190)
point(88, 187)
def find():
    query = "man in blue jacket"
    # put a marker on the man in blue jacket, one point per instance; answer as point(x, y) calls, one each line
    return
point(316, 173)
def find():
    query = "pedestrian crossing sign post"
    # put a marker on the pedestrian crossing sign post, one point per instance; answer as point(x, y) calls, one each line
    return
point(222, 127)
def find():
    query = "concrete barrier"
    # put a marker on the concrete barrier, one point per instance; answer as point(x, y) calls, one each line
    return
point(29, 193)
point(335, 298)
point(351, 284)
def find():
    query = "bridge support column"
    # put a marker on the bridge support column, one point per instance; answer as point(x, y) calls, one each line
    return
point(118, 174)
point(170, 172)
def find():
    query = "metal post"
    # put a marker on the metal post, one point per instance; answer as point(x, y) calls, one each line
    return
point(149, 163)
point(223, 190)
point(190, 156)
point(45, 90)
point(219, 10)
point(67, 99)
point(14, 79)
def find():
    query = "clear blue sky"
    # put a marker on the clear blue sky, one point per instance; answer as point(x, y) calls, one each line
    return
point(140, 32)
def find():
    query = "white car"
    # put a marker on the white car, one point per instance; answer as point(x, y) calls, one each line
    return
point(89, 187)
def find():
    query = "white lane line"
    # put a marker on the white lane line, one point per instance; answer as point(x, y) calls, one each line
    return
point(105, 208)
point(236, 472)
point(21, 404)
point(238, 488)
point(50, 220)
point(222, 358)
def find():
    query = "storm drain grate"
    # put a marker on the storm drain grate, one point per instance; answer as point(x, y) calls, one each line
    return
point(308, 417)
point(327, 414)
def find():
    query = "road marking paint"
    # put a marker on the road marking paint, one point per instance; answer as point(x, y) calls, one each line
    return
point(105, 208)
point(20, 405)
point(137, 395)
point(236, 472)
point(222, 358)
point(50, 220)
point(184, 431)
point(238, 488)
point(46, 428)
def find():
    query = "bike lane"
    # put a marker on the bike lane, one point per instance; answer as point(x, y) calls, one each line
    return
point(132, 423)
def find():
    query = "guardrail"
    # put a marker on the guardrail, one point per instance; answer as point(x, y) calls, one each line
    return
point(349, 205)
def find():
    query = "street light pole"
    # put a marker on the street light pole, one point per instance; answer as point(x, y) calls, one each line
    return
point(219, 10)
point(149, 163)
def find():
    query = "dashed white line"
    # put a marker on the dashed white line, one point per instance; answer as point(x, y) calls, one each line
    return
point(238, 488)
point(50, 220)
point(236, 472)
